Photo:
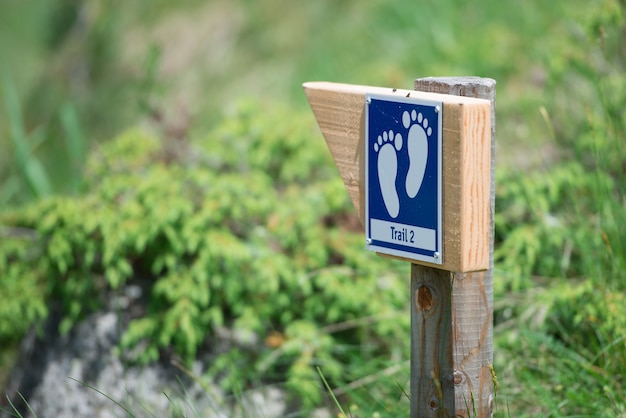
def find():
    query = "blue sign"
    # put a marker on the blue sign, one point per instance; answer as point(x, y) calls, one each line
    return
point(403, 177)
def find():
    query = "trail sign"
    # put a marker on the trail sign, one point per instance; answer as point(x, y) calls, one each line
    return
point(403, 177)
point(446, 213)
point(419, 169)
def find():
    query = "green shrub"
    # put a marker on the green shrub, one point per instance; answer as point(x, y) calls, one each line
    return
point(560, 234)
point(548, 223)
point(22, 281)
point(241, 229)
point(570, 219)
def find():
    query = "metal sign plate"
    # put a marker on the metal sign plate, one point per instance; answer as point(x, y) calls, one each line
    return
point(403, 171)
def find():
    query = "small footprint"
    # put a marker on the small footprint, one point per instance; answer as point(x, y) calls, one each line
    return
point(386, 147)
point(417, 148)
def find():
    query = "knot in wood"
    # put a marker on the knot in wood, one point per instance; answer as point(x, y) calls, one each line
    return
point(433, 404)
point(424, 298)
point(457, 377)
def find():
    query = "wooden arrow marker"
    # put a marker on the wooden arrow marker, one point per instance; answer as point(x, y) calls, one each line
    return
point(466, 162)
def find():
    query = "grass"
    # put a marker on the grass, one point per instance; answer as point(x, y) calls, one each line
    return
point(560, 282)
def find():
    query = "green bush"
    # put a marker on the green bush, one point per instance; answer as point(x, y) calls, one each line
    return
point(242, 229)
point(560, 234)
point(569, 219)
point(540, 227)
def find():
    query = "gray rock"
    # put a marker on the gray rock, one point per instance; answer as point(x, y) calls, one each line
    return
point(81, 375)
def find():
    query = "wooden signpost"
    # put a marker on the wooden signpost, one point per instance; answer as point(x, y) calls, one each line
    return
point(418, 166)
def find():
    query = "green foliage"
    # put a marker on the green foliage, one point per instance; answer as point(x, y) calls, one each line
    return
point(569, 219)
point(30, 168)
point(29, 177)
point(567, 350)
point(242, 229)
point(538, 223)
point(560, 233)
point(21, 284)
point(245, 228)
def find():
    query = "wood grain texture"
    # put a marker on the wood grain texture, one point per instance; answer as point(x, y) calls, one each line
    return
point(452, 348)
point(432, 361)
point(339, 110)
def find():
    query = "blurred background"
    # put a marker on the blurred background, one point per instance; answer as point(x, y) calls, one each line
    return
point(92, 68)
point(76, 73)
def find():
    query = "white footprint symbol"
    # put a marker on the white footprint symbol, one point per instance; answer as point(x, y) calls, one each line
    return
point(417, 148)
point(388, 169)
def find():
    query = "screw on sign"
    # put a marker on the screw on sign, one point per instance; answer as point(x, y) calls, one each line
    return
point(418, 167)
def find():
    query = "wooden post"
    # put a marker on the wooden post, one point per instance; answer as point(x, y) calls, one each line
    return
point(452, 299)
point(452, 313)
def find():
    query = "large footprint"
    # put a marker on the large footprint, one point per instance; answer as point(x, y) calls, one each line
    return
point(417, 148)
point(386, 147)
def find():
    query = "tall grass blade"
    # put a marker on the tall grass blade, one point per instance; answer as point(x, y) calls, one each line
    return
point(87, 385)
point(6, 411)
point(330, 392)
point(198, 380)
point(74, 141)
point(187, 396)
point(16, 412)
point(9, 190)
point(27, 404)
point(28, 165)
